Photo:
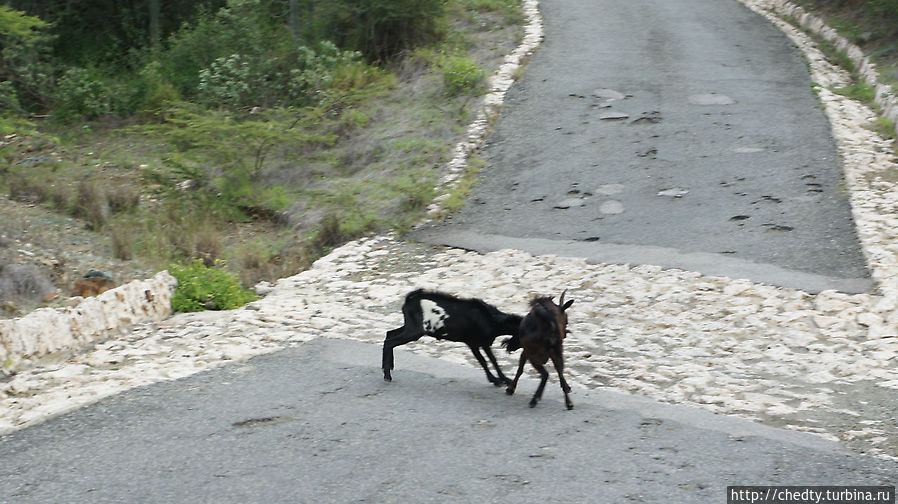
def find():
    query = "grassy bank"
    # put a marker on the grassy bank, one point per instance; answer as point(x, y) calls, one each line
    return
point(266, 175)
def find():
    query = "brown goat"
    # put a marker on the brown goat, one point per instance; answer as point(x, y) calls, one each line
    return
point(541, 336)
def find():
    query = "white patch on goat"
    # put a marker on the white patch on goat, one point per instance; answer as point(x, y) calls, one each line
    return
point(434, 316)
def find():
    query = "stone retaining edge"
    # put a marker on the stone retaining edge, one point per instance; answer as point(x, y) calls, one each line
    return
point(885, 95)
point(48, 331)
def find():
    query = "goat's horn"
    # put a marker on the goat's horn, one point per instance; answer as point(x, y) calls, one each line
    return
point(561, 301)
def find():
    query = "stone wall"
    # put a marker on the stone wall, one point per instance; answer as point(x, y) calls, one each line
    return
point(49, 331)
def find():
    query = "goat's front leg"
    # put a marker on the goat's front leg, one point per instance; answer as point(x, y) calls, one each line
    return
point(395, 338)
point(514, 383)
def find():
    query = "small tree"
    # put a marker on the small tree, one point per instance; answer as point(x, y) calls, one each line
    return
point(23, 51)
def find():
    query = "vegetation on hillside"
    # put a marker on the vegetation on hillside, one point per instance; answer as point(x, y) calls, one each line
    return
point(873, 26)
point(261, 132)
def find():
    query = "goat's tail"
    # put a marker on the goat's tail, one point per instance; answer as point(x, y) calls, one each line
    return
point(511, 344)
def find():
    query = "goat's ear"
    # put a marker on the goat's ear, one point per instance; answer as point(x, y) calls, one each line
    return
point(567, 305)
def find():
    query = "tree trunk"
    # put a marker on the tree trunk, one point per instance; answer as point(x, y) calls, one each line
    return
point(294, 20)
point(154, 23)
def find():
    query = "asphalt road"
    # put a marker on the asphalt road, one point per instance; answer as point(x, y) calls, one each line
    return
point(676, 133)
point(317, 423)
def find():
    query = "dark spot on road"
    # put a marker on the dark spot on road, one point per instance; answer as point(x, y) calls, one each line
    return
point(259, 422)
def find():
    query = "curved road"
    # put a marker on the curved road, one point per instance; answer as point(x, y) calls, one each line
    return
point(675, 133)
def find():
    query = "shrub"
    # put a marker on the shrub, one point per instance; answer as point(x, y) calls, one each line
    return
point(9, 99)
point(154, 91)
point(92, 204)
point(317, 71)
point(203, 288)
point(383, 29)
point(80, 95)
point(461, 75)
point(24, 54)
point(226, 82)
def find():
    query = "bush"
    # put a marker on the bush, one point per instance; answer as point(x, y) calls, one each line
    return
point(80, 95)
point(460, 75)
point(383, 29)
point(317, 71)
point(226, 82)
point(885, 8)
point(203, 288)
point(9, 99)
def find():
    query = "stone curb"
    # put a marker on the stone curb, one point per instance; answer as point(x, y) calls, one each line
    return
point(867, 158)
point(885, 95)
point(48, 331)
point(477, 131)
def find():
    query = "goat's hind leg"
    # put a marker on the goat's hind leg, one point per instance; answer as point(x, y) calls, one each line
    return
point(502, 379)
point(544, 376)
point(489, 376)
point(514, 383)
point(558, 362)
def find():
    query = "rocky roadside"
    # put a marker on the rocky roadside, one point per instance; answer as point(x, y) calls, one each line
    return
point(58, 250)
point(823, 363)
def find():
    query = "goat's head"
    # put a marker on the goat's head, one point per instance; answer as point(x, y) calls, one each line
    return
point(562, 316)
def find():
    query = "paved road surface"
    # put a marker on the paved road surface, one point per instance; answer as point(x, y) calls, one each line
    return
point(675, 133)
point(317, 424)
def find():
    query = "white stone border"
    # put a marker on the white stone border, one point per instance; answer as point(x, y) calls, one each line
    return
point(868, 160)
point(885, 95)
point(47, 331)
point(499, 84)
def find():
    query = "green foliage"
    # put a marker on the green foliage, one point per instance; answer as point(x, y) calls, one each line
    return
point(81, 95)
point(17, 24)
point(860, 91)
point(153, 91)
point(9, 99)
point(240, 27)
point(461, 75)
point(316, 72)
point(219, 157)
point(24, 61)
point(884, 126)
point(382, 29)
point(885, 8)
point(9, 125)
point(207, 288)
point(226, 82)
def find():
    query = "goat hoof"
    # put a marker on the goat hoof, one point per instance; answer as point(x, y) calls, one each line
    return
point(387, 377)
point(533, 403)
point(509, 391)
point(570, 406)
point(499, 383)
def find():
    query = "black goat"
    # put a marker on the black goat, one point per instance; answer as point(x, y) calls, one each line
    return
point(542, 333)
point(444, 316)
